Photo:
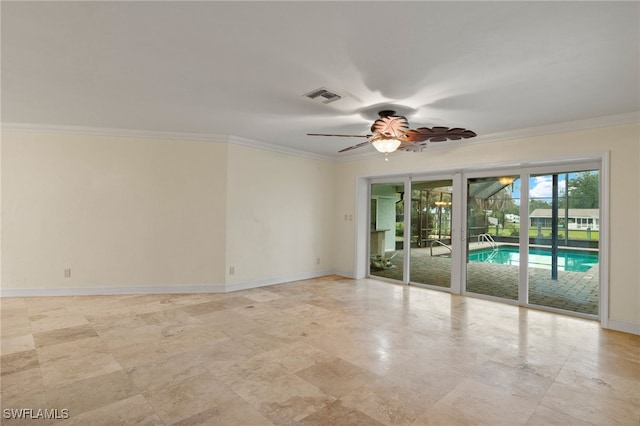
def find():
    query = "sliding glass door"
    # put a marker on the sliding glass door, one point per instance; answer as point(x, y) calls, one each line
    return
point(431, 229)
point(564, 235)
point(386, 231)
point(529, 236)
point(492, 236)
point(412, 218)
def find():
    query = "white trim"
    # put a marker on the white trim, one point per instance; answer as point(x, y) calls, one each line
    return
point(109, 291)
point(429, 287)
point(569, 126)
point(406, 236)
point(490, 298)
point(625, 327)
point(277, 148)
point(172, 289)
point(528, 132)
point(560, 311)
point(173, 136)
point(461, 266)
point(523, 278)
point(458, 233)
point(346, 274)
point(361, 224)
point(558, 164)
point(603, 246)
point(113, 132)
point(246, 285)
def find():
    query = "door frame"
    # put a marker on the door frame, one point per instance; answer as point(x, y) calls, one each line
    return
point(598, 160)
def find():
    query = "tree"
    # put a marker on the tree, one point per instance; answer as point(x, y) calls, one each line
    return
point(584, 191)
point(535, 203)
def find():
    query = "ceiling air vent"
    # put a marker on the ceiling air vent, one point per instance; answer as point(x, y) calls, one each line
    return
point(323, 95)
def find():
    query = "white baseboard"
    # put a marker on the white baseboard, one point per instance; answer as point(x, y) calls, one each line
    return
point(277, 280)
point(171, 289)
point(622, 326)
point(110, 291)
point(346, 274)
point(625, 327)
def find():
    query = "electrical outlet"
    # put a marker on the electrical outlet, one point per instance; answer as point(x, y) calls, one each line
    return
point(232, 270)
point(67, 272)
point(318, 261)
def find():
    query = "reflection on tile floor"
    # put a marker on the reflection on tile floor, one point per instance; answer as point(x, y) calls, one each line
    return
point(323, 351)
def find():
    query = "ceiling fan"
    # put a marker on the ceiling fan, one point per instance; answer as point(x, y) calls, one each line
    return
point(391, 132)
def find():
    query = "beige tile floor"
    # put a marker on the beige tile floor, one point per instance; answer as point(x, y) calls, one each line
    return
point(317, 352)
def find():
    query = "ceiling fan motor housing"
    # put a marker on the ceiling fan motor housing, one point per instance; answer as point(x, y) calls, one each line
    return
point(389, 126)
point(386, 113)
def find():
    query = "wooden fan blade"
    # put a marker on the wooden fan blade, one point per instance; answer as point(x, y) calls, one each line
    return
point(437, 134)
point(418, 135)
point(340, 136)
point(355, 146)
point(412, 146)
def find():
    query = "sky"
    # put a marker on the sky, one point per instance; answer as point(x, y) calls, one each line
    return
point(540, 187)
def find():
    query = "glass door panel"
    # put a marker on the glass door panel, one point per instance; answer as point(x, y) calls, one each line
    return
point(431, 223)
point(564, 215)
point(493, 236)
point(386, 239)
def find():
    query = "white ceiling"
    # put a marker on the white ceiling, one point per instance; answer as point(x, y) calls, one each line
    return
point(241, 68)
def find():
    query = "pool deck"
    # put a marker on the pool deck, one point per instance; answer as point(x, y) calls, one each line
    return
point(572, 291)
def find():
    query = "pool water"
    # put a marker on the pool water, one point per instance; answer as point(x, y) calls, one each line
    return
point(568, 260)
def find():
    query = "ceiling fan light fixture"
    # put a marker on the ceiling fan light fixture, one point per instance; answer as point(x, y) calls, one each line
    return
point(506, 180)
point(386, 145)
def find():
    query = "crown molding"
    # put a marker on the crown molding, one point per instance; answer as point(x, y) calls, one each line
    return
point(161, 135)
point(113, 132)
point(567, 126)
point(236, 140)
point(570, 126)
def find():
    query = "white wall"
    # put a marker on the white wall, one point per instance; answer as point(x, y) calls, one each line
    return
point(623, 144)
point(128, 213)
point(279, 211)
point(119, 212)
point(125, 214)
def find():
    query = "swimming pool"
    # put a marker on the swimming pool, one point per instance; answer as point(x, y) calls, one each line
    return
point(568, 260)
